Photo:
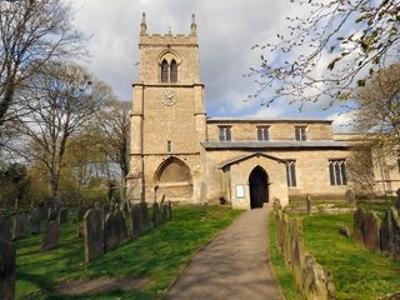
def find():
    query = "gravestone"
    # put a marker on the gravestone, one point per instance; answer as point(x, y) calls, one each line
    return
point(308, 203)
point(371, 231)
point(50, 237)
point(115, 233)
point(350, 197)
point(7, 270)
point(5, 228)
point(36, 220)
point(397, 202)
point(136, 216)
point(93, 232)
point(80, 214)
point(156, 214)
point(167, 211)
point(52, 215)
point(358, 225)
point(162, 211)
point(21, 226)
point(144, 218)
point(390, 233)
point(63, 216)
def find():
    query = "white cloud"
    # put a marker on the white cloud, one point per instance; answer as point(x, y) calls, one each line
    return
point(226, 34)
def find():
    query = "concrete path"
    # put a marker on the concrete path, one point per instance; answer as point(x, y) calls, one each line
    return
point(235, 265)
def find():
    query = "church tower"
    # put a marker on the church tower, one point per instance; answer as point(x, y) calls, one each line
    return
point(168, 119)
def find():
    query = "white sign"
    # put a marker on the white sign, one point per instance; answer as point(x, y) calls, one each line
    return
point(240, 188)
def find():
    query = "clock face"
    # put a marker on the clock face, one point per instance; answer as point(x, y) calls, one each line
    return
point(168, 97)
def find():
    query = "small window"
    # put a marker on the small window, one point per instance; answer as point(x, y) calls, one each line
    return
point(224, 133)
point(291, 173)
point(263, 133)
point(174, 71)
point(337, 172)
point(169, 146)
point(300, 133)
point(164, 71)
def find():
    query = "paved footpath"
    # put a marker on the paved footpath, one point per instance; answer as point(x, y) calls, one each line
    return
point(235, 265)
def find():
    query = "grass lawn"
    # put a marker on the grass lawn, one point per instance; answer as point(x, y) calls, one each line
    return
point(283, 274)
point(357, 272)
point(159, 255)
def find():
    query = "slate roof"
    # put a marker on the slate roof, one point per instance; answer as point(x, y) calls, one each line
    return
point(266, 120)
point(276, 145)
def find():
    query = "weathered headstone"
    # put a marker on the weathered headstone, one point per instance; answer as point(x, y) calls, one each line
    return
point(350, 196)
point(115, 233)
point(7, 270)
point(80, 214)
point(167, 211)
point(390, 233)
point(136, 221)
point(52, 215)
point(5, 229)
point(36, 220)
point(21, 226)
point(358, 225)
point(63, 216)
point(145, 220)
point(50, 238)
point(345, 231)
point(156, 214)
point(397, 202)
point(371, 231)
point(308, 203)
point(93, 232)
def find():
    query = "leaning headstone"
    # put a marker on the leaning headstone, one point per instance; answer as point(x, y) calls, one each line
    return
point(7, 270)
point(63, 216)
point(36, 220)
point(93, 232)
point(358, 225)
point(136, 221)
point(350, 196)
point(5, 232)
point(115, 233)
point(50, 238)
point(145, 220)
point(21, 226)
point(371, 231)
point(156, 214)
point(397, 202)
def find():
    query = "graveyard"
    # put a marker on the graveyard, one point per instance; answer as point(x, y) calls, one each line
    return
point(141, 268)
point(353, 250)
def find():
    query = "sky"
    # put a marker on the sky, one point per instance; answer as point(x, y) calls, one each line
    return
point(226, 34)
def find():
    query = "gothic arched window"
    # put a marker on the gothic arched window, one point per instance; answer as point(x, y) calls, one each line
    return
point(164, 71)
point(174, 71)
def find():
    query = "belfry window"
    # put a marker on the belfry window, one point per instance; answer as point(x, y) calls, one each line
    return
point(337, 172)
point(263, 133)
point(164, 71)
point(291, 173)
point(174, 71)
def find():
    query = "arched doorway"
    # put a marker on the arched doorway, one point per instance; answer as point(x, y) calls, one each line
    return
point(174, 180)
point(258, 183)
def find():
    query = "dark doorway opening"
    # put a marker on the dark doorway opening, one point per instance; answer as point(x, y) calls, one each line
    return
point(258, 182)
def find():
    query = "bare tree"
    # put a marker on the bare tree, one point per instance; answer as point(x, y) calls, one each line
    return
point(32, 34)
point(113, 123)
point(60, 102)
point(325, 54)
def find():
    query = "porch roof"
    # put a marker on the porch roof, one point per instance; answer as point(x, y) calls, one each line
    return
point(247, 156)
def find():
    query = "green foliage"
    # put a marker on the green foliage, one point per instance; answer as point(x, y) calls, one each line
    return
point(14, 184)
point(159, 255)
point(283, 275)
point(358, 273)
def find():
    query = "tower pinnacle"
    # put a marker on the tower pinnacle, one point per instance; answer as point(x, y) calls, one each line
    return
point(193, 27)
point(143, 25)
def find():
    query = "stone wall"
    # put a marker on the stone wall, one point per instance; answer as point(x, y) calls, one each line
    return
point(311, 278)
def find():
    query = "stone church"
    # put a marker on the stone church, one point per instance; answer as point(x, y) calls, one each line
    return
point(179, 152)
